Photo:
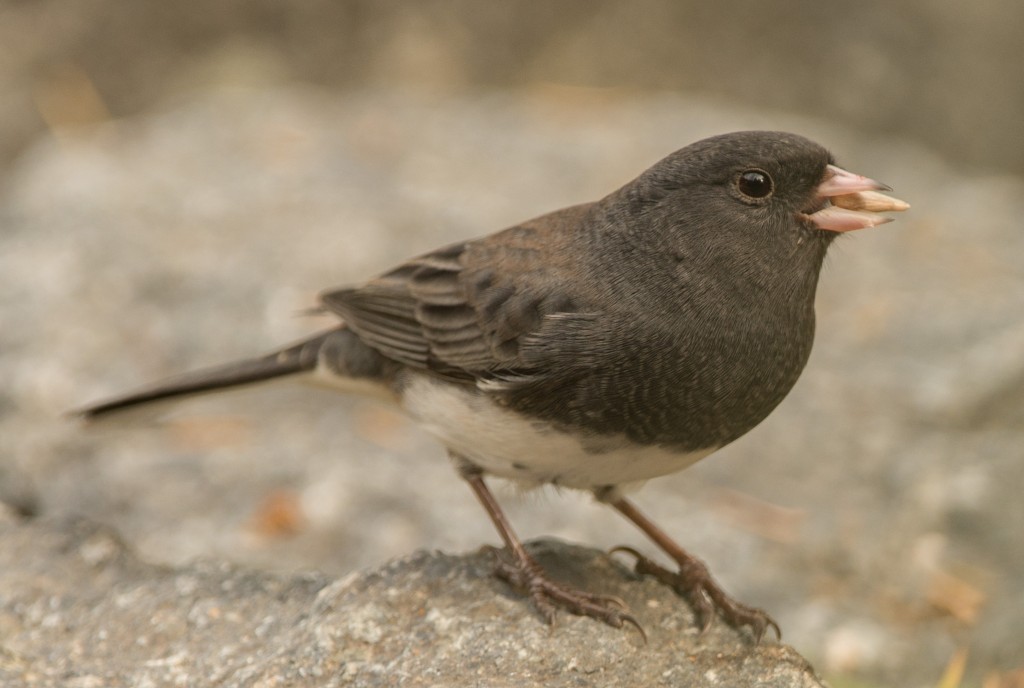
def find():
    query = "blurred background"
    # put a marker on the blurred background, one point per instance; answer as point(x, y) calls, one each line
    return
point(936, 73)
point(177, 182)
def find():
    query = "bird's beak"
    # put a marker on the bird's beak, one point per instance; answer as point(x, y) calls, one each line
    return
point(852, 202)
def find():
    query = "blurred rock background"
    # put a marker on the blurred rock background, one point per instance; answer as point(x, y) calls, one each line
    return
point(178, 182)
point(941, 74)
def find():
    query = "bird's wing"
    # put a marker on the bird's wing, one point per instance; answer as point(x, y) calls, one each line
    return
point(464, 310)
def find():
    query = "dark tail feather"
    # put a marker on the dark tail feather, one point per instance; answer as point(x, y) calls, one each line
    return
point(299, 358)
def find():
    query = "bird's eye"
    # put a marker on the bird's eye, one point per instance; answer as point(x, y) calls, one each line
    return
point(755, 183)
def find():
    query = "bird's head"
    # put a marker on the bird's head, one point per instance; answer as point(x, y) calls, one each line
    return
point(754, 193)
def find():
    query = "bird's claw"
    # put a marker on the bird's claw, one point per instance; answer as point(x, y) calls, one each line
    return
point(548, 596)
point(693, 581)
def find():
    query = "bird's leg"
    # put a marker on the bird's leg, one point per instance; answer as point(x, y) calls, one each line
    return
point(693, 580)
point(525, 573)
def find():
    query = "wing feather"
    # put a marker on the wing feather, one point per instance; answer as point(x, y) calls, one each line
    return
point(462, 311)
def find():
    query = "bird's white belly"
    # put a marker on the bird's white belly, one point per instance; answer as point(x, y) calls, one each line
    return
point(504, 443)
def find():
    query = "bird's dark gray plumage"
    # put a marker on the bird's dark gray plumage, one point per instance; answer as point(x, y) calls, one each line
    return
point(602, 344)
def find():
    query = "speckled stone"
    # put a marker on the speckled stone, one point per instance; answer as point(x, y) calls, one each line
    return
point(81, 610)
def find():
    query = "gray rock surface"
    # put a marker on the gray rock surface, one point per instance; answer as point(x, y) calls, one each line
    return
point(81, 610)
point(876, 514)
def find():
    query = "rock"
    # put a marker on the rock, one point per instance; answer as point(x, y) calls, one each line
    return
point(80, 609)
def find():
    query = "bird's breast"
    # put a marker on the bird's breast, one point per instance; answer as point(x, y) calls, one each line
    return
point(508, 444)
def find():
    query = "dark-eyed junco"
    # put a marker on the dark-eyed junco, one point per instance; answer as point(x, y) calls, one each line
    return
point(600, 345)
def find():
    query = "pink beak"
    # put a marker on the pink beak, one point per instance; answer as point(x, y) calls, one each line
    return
point(854, 202)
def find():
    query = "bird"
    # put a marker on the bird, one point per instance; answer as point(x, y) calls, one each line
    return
point(598, 346)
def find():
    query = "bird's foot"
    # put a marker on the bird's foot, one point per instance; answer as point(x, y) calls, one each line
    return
point(693, 581)
point(527, 575)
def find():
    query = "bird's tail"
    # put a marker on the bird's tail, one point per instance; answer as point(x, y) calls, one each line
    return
point(339, 345)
